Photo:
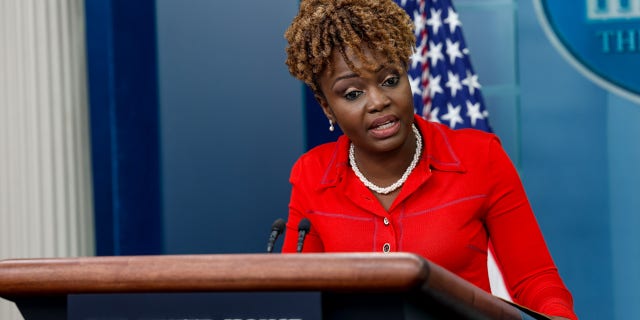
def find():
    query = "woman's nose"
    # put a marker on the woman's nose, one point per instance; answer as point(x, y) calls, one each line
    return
point(378, 99)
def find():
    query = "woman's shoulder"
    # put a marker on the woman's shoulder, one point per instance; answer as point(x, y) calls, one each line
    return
point(458, 148)
point(461, 138)
point(321, 153)
point(322, 160)
point(324, 155)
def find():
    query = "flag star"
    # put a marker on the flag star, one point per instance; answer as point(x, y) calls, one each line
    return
point(418, 21)
point(471, 81)
point(435, 53)
point(415, 86)
point(473, 112)
point(435, 21)
point(453, 20)
point(453, 51)
point(403, 3)
point(453, 115)
point(417, 57)
point(453, 83)
point(434, 86)
point(433, 115)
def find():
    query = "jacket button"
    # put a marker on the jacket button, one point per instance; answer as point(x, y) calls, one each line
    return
point(386, 247)
point(386, 221)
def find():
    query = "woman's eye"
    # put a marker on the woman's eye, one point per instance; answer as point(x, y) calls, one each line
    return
point(391, 82)
point(352, 95)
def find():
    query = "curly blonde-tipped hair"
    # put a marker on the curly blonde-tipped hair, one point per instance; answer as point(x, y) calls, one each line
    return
point(322, 26)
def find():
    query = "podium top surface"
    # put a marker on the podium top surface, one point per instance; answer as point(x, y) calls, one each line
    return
point(325, 272)
point(219, 272)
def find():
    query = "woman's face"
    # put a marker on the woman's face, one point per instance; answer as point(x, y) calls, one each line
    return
point(374, 109)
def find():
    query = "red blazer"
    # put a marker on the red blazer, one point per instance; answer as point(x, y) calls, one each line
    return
point(463, 193)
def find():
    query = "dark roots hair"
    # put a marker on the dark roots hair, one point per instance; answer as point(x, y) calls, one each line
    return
point(322, 26)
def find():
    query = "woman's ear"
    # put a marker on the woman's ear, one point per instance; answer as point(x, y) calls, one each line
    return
point(325, 106)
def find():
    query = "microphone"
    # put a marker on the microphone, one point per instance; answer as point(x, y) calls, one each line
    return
point(276, 229)
point(303, 229)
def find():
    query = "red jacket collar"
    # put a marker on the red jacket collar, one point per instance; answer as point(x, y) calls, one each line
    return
point(438, 153)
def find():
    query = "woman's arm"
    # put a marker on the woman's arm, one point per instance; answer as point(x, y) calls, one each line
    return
point(529, 271)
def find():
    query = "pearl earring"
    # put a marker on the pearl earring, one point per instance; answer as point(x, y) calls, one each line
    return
point(331, 128)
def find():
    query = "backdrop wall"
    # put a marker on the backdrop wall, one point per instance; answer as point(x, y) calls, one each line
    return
point(231, 120)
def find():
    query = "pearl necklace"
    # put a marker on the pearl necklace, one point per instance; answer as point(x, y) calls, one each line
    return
point(405, 175)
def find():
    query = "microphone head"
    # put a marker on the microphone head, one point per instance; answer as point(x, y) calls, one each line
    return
point(278, 225)
point(304, 225)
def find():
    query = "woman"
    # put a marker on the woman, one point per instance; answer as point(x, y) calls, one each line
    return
point(395, 182)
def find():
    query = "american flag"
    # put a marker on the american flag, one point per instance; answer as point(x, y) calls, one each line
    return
point(445, 87)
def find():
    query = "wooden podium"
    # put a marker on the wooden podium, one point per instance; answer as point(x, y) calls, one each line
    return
point(345, 286)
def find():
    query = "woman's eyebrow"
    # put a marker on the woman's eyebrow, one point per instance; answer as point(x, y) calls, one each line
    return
point(346, 76)
point(355, 75)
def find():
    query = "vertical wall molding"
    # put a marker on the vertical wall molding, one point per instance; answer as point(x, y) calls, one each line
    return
point(124, 120)
point(46, 206)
